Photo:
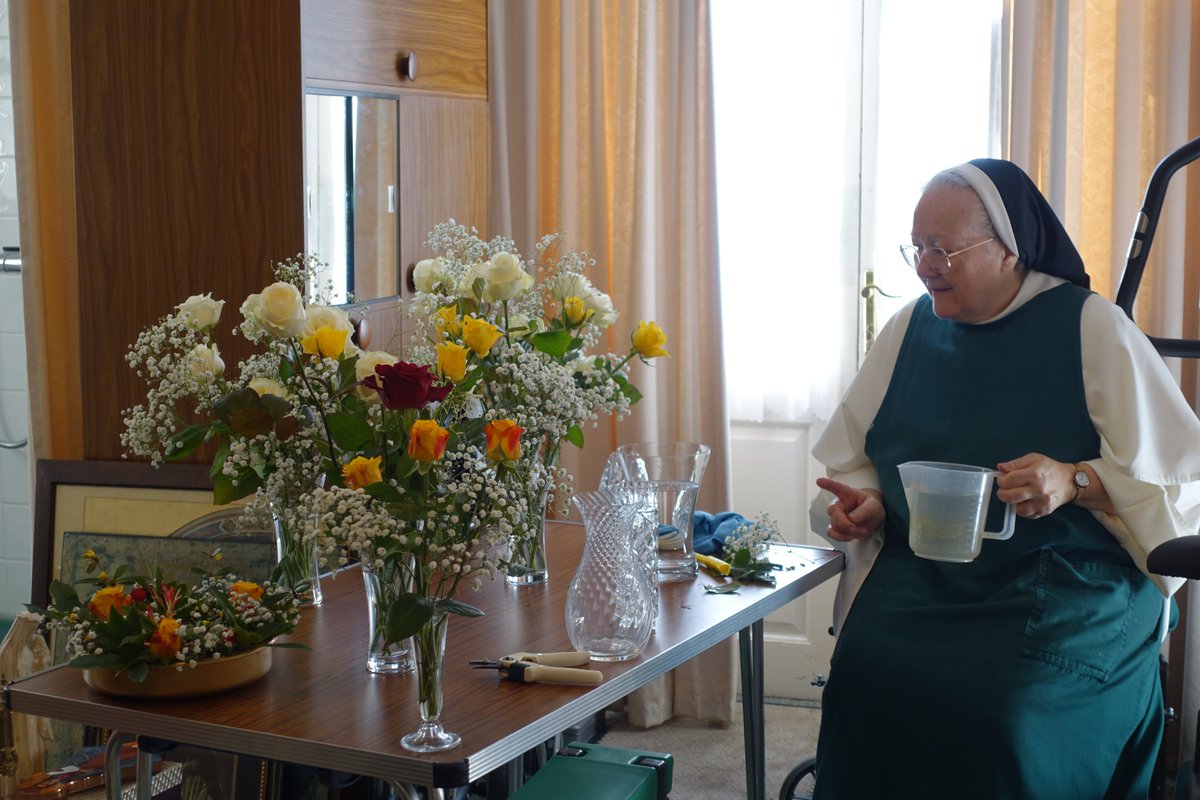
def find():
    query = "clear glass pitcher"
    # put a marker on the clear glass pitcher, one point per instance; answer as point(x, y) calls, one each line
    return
point(947, 509)
point(610, 611)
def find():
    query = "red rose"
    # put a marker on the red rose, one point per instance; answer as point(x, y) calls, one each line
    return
point(404, 385)
point(139, 595)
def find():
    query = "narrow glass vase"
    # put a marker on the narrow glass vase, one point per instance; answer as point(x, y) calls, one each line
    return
point(298, 564)
point(430, 646)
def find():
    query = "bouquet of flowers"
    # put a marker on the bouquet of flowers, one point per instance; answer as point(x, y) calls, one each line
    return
point(132, 622)
point(745, 556)
point(527, 348)
point(270, 421)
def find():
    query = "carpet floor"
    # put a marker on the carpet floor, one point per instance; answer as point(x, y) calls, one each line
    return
point(709, 760)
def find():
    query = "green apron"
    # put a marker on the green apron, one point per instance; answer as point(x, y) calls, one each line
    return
point(1032, 671)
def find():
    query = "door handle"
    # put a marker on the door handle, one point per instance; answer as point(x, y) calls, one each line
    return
point(870, 323)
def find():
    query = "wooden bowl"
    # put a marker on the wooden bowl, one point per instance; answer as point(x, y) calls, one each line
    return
point(211, 676)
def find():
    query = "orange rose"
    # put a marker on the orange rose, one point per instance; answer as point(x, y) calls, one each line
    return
point(503, 440)
point(362, 472)
point(106, 599)
point(427, 441)
point(248, 588)
point(165, 642)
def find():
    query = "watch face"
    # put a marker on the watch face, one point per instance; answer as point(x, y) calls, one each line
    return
point(1081, 479)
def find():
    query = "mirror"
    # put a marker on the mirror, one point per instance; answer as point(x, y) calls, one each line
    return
point(351, 219)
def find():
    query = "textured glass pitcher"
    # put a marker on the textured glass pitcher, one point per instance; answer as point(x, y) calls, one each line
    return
point(610, 611)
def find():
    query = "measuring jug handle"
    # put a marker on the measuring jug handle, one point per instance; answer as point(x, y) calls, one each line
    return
point(1010, 523)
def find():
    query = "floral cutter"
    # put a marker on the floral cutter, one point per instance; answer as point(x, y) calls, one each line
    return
point(538, 667)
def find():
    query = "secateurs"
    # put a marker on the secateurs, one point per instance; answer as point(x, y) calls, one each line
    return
point(539, 667)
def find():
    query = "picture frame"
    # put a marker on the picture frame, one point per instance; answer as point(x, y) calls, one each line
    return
point(115, 497)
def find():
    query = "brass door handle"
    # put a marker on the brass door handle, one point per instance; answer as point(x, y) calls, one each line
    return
point(870, 324)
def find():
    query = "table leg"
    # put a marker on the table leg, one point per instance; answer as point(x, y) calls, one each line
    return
point(750, 644)
point(112, 764)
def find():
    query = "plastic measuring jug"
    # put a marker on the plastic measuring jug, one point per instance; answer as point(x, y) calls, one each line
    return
point(947, 509)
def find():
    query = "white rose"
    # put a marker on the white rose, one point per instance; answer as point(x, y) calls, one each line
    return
point(200, 312)
point(602, 306)
point(519, 322)
point(568, 284)
point(365, 366)
point(466, 284)
point(205, 362)
point(504, 278)
point(267, 386)
point(279, 310)
point(428, 273)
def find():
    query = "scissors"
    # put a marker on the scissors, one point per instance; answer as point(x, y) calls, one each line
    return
point(538, 667)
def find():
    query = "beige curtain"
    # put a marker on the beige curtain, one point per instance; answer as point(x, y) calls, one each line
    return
point(602, 129)
point(1095, 94)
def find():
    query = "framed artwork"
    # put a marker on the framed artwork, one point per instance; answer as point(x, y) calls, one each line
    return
point(114, 497)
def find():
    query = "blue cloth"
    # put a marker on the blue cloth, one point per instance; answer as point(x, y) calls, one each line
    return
point(709, 531)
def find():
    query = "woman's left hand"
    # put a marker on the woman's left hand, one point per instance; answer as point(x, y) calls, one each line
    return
point(1037, 484)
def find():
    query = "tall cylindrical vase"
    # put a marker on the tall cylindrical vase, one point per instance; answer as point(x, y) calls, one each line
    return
point(527, 551)
point(297, 561)
point(429, 644)
point(384, 584)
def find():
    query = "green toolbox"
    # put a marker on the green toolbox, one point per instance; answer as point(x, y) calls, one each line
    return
point(583, 771)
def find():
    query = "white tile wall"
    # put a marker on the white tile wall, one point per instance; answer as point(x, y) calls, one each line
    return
point(15, 517)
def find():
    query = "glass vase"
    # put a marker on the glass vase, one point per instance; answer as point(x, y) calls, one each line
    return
point(297, 561)
point(429, 645)
point(384, 584)
point(527, 546)
point(610, 611)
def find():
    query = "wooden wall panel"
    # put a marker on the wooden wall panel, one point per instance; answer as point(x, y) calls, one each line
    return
point(188, 128)
point(360, 42)
point(444, 168)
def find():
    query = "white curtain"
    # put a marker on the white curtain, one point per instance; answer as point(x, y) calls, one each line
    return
point(602, 129)
point(1096, 94)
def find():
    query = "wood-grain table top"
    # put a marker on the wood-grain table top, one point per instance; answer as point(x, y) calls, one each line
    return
point(321, 707)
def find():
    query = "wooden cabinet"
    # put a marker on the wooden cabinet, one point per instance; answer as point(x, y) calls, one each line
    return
point(167, 160)
point(360, 44)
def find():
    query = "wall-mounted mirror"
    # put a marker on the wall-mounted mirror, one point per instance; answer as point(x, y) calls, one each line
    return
point(351, 213)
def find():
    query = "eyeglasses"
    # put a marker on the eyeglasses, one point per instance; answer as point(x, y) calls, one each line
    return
point(939, 259)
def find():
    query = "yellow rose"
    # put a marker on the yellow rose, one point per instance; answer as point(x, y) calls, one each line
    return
point(165, 641)
point(648, 340)
point(263, 386)
point(362, 471)
point(248, 588)
point(503, 440)
point(106, 599)
point(427, 440)
point(479, 335)
point(446, 320)
point(452, 360)
point(325, 341)
point(575, 311)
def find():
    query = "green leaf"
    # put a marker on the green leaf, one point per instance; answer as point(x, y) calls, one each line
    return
point(722, 588)
point(407, 614)
point(627, 388)
point(185, 442)
point(106, 661)
point(385, 492)
point(251, 422)
point(276, 406)
point(63, 597)
point(226, 491)
point(349, 431)
point(453, 606)
point(137, 671)
point(240, 399)
point(575, 436)
point(554, 343)
point(219, 459)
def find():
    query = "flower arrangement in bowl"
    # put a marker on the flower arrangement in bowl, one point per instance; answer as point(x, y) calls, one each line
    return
point(131, 628)
point(529, 348)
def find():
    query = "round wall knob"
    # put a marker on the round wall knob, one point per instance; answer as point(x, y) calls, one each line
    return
point(408, 66)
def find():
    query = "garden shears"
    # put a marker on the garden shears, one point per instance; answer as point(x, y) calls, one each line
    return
point(543, 667)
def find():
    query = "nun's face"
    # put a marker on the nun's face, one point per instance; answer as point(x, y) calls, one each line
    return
point(983, 280)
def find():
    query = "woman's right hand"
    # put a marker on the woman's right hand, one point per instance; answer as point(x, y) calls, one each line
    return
point(855, 514)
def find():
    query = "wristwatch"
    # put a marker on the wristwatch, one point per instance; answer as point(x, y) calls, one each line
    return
point(1081, 481)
